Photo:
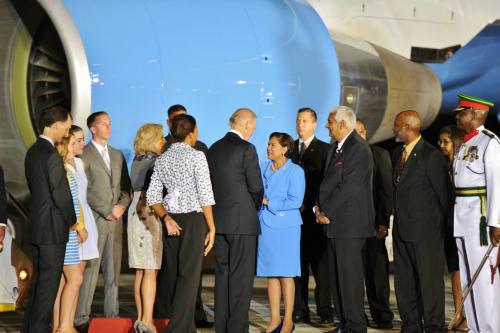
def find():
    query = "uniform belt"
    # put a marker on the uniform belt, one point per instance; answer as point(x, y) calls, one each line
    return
point(470, 191)
point(479, 191)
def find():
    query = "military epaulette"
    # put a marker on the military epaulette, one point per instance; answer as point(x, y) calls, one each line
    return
point(490, 134)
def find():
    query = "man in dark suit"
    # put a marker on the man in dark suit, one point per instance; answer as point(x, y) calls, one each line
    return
point(346, 208)
point(376, 259)
point(3, 208)
point(51, 215)
point(164, 292)
point(311, 153)
point(238, 191)
point(421, 199)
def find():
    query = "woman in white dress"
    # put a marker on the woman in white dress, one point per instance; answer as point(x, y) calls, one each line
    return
point(83, 245)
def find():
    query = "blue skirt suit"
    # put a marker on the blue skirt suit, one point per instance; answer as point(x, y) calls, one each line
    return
point(278, 251)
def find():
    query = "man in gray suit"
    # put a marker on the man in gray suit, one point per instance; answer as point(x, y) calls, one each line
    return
point(109, 193)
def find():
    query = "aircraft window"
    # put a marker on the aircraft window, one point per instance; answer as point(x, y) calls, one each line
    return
point(429, 55)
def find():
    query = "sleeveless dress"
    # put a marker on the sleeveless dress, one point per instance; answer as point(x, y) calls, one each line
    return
point(88, 250)
point(144, 230)
point(72, 256)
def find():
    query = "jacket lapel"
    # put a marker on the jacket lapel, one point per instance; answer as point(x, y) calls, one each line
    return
point(99, 157)
point(412, 159)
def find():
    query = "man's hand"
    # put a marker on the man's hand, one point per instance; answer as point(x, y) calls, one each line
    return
point(2, 233)
point(495, 235)
point(321, 219)
point(209, 242)
point(265, 202)
point(382, 232)
point(82, 235)
point(117, 212)
point(173, 229)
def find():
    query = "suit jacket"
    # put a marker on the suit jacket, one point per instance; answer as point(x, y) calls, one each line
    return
point(285, 192)
point(422, 195)
point(3, 199)
point(313, 162)
point(237, 185)
point(198, 145)
point(51, 209)
point(345, 194)
point(105, 188)
point(382, 185)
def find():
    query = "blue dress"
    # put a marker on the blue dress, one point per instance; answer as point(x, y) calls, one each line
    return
point(278, 251)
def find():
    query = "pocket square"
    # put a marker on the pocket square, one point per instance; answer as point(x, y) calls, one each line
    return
point(339, 163)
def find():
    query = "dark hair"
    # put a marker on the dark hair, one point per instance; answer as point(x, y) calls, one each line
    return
point(311, 111)
point(361, 121)
point(52, 115)
point(182, 125)
point(74, 128)
point(285, 140)
point(456, 136)
point(175, 108)
point(91, 119)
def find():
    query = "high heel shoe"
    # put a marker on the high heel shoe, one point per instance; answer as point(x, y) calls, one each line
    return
point(136, 326)
point(143, 328)
point(278, 328)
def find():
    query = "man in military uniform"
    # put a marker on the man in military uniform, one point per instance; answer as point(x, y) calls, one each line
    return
point(477, 212)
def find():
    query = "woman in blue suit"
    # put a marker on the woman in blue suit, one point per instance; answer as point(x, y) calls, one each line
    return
point(278, 253)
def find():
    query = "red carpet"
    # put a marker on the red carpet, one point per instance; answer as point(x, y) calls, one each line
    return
point(120, 325)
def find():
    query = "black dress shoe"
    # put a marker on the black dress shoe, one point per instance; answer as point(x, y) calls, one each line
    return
point(301, 318)
point(83, 328)
point(385, 325)
point(326, 321)
point(204, 324)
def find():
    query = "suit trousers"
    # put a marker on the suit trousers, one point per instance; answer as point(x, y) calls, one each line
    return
point(345, 257)
point(48, 262)
point(110, 251)
point(419, 284)
point(313, 253)
point(184, 258)
point(235, 257)
point(482, 306)
point(376, 262)
point(164, 292)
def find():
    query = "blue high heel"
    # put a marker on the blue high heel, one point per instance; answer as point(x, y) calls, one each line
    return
point(278, 328)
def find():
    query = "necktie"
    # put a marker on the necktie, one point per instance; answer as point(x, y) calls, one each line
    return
point(302, 150)
point(401, 164)
point(105, 157)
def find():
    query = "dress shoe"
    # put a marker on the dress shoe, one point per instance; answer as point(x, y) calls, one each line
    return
point(83, 328)
point(326, 321)
point(301, 318)
point(385, 325)
point(204, 324)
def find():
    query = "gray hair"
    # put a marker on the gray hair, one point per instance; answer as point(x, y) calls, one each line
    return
point(242, 116)
point(346, 114)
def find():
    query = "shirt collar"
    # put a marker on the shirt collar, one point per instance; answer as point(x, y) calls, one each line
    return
point(99, 147)
point(341, 143)
point(409, 147)
point(472, 134)
point(307, 142)
point(236, 132)
point(48, 139)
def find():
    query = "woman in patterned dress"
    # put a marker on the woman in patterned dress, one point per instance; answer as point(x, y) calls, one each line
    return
point(144, 228)
point(72, 277)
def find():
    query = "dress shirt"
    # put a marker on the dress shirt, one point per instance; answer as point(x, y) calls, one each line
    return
point(183, 171)
point(104, 152)
point(236, 132)
point(341, 143)
point(307, 142)
point(409, 147)
point(48, 139)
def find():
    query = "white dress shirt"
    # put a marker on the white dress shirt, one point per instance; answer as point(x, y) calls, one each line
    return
point(341, 143)
point(48, 139)
point(236, 132)
point(104, 152)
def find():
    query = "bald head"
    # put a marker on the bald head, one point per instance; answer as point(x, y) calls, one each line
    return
point(407, 126)
point(243, 120)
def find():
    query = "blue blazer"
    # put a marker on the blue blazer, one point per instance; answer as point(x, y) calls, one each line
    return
point(284, 189)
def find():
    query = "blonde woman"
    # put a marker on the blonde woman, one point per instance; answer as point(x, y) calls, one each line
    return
point(82, 243)
point(144, 228)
